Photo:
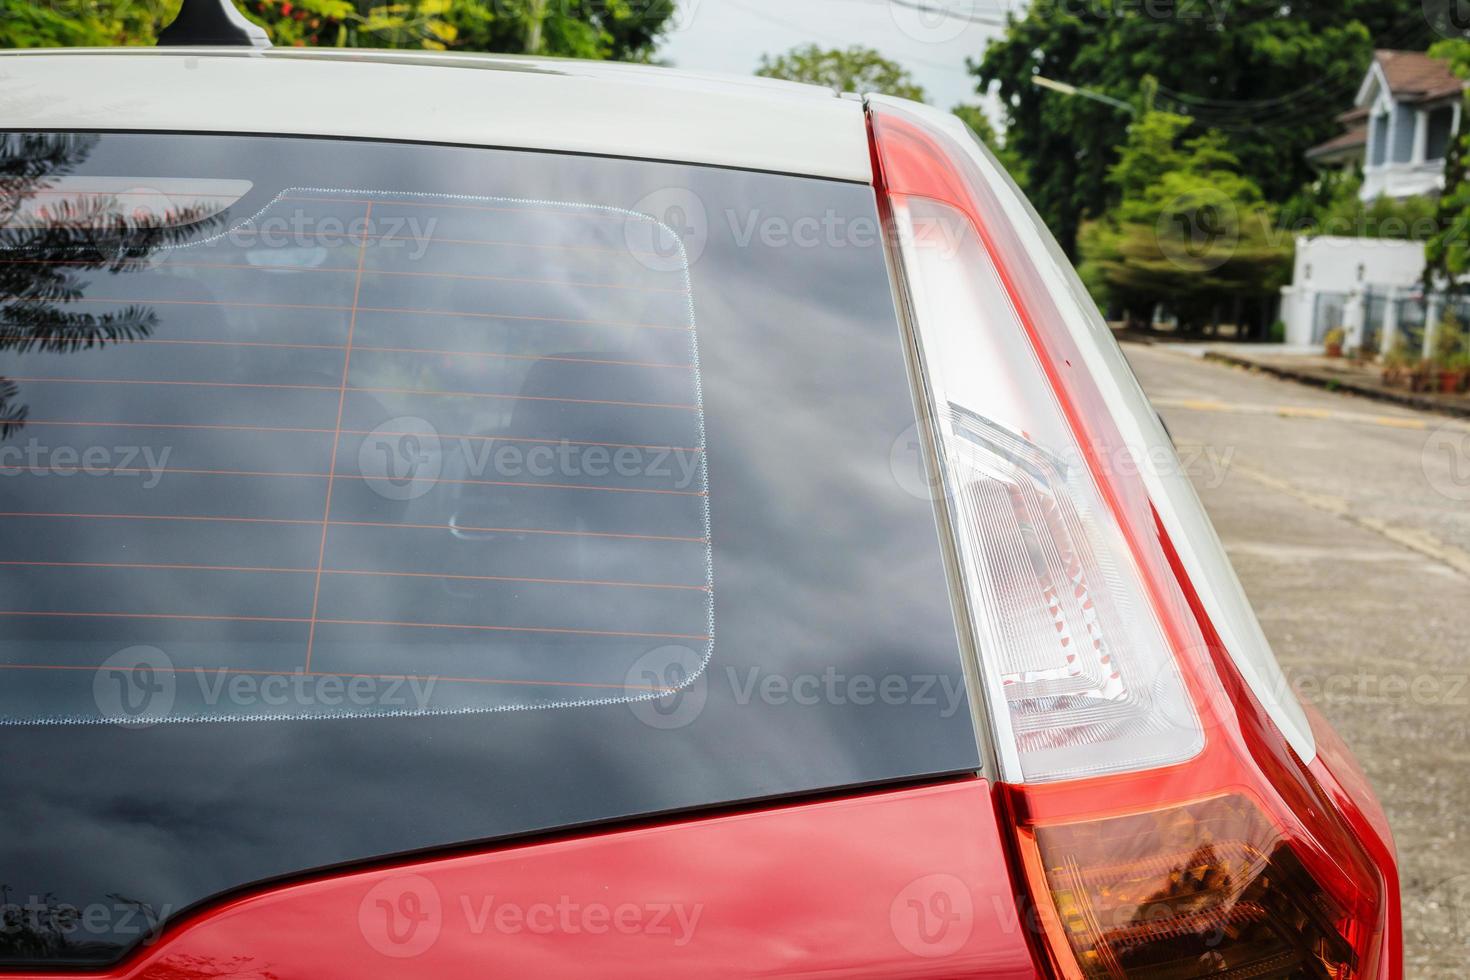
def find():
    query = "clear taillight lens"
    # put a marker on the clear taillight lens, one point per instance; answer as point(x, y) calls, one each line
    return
point(1075, 657)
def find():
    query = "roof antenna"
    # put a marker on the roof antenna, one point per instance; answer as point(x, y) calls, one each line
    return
point(212, 22)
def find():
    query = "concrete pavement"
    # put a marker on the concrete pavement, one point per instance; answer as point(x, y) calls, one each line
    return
point(1349, 523)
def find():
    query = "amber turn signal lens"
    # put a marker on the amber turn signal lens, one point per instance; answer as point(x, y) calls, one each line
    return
point(1209, 889)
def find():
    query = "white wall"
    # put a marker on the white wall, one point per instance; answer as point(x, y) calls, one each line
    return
point(1334, 263)
point(1329, 264)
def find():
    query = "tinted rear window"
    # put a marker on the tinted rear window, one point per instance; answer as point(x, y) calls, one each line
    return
point(363, 498)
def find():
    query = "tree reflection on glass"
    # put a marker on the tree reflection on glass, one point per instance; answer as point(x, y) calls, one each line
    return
point(50, 239)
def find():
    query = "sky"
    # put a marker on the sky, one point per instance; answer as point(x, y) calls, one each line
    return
point(731, 35)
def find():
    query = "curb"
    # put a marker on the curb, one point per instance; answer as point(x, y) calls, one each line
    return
point(1404, 398)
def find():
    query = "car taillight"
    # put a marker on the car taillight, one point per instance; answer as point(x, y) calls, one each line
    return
point(1167, 817)
point(1206, 888)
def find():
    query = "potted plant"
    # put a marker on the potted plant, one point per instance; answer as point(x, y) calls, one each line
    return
point(1450, 354)
point(1449, 380)
point(1333, 341)
point(1459, 367)
point(1422, 376)
point(1398, 363)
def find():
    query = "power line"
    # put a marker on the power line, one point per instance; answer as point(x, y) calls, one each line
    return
point(992, 20)
point(996, 19)
point(803, 29)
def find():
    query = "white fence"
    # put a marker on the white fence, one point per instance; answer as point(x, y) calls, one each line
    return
point(1369, 287)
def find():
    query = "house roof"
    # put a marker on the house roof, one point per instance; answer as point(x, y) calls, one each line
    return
point(1414, 76)
point(1352, 140)
point(1411, 77)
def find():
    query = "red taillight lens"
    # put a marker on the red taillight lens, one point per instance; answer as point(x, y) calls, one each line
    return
point(1208, 888)
point(1165, 821)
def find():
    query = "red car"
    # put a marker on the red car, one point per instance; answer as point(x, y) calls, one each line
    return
point(479, 516)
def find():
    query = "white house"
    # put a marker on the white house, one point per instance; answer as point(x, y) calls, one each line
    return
point(1406, 112)
point(1400, 126)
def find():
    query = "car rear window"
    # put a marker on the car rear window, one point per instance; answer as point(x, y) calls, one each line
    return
point(361, 498)
point(476, 466)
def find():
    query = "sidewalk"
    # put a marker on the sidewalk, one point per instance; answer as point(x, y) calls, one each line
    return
point(1335, 373)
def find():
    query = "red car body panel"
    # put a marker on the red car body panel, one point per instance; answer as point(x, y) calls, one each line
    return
point(1338, 772)
point(894, 884)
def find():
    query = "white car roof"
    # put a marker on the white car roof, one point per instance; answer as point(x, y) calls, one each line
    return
point(611, 109)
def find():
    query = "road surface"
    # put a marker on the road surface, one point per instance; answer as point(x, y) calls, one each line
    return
point(1349, 523)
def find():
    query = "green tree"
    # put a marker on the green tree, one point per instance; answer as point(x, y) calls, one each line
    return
point(81, 23)
point(354, 23)
point(1447, 252)
point(1330, 205)
point(1269, 74)
point(854, 69)
point(108, 23)
point(619, 30)
point(1191, 232)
